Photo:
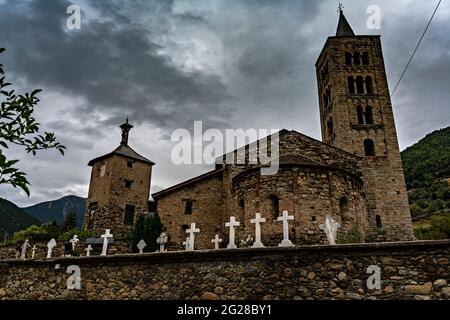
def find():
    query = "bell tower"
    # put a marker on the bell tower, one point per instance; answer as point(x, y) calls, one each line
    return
point(119, 189)
point(356, 116)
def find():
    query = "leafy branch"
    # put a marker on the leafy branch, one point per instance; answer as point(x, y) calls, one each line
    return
point(19, 127)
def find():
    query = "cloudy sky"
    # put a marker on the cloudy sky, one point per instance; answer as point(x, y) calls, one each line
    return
point(231, 64)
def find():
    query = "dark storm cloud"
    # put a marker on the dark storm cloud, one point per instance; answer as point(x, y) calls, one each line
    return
point(112, 62)
point(236, 64)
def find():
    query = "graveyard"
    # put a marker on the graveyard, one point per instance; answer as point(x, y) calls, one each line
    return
point(230, 272)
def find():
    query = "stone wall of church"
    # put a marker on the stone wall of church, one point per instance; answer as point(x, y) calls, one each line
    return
point(308, 193)
point(109, 195)
point(418, 270)
point(207, 210)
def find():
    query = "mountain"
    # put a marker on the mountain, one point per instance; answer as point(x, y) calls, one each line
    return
point(13, 219)
point(427, 173)
point(56, 210)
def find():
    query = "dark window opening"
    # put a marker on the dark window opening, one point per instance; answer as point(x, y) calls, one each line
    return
point(369, 148)
point(357, 58)
point(275, 206)
point(351, 85)
point(129, 215)
point(359, 111)
point(343, 204)
point(359, 85)
point(369, 115)
point(378, 221)
point(348, 58)
point(365, 58)
point(369, 85)
point(330, 126)
point(188, 205)
point(128, 184)
point(130, 163)
point(313, 218)
point(241, 212)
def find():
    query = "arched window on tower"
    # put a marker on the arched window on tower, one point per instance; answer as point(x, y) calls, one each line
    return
point(360, 112)
point(359, 85)
point(351, 85)
point(365, 58)
point(369, 115)
point(378, 221)
point(357, 58)
point(369, 85)
point(348, 58)
point(274, 206)
point(369, 148)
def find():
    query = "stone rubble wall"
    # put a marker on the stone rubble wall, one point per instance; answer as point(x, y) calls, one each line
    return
point(409, 270)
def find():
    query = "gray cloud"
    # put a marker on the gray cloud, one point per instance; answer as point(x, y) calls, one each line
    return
point(235, 64)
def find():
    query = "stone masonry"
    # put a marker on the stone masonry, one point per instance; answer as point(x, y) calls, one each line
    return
point(411, 270)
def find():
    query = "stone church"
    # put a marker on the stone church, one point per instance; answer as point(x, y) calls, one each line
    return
point(355, 174)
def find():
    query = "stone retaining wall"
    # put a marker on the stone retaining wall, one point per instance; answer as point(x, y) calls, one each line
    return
point(409, 270)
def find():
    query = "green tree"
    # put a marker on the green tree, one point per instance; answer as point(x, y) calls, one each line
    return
point(147, 229)
point(19, 127)
point(70, 221)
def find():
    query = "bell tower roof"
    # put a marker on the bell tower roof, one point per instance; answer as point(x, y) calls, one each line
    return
point(124, 149)
point(343, 29)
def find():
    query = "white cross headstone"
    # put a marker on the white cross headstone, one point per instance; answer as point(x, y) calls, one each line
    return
point(25, 247)
point(105, 237)
point(88, 250)
point(141, 246)
point(74, 241)
point(257, 221)
point(232, 224)
point(186, 244)
point(285, 218)
point(192, 232)
point(162, 240)
point(216, 241)
point(33, 251)
point(50, 245)
point(330, 228)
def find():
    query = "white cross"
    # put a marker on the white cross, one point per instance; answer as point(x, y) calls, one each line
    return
point(88, 250)
point(50, 245)
point(187, 243)
point(33, 251)
point(233, 223)
point(330, 228)
point(105, 241)
point(162, 240)
point(216, 241)
point(74, 241)
point(192, 232)
point(257, 221)
point(25, 247)
point(285, 218)
point(141, 246)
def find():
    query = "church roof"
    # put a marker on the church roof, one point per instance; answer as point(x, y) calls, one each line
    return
point(344, 29)
point(124, 151)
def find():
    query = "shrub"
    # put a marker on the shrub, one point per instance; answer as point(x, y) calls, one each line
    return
point(147, 228)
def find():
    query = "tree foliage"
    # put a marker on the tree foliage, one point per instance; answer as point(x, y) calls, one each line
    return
point(427, 174)
point(70, 221)
point(147, 228)
point(19, 127)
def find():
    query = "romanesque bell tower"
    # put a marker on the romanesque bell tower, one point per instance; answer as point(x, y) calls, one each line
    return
point(119, 189)
point(356, 116)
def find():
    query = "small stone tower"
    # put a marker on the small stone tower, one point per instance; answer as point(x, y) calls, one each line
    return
point(119, 189)
point(356, 116)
